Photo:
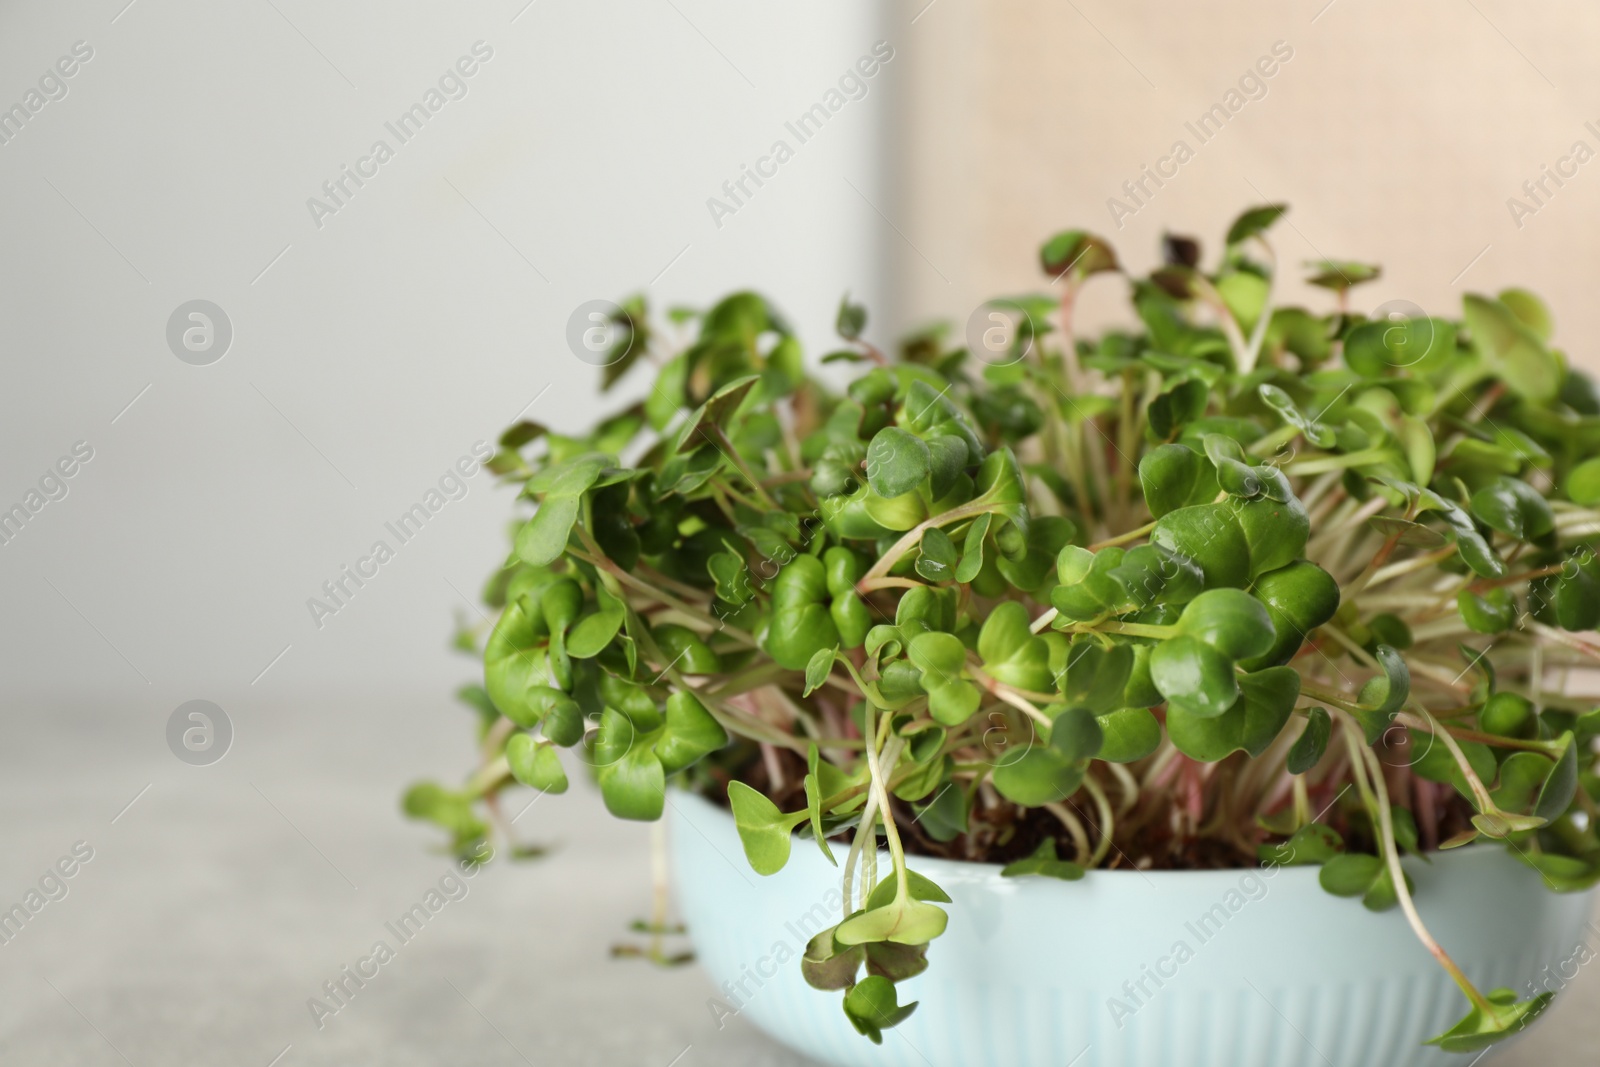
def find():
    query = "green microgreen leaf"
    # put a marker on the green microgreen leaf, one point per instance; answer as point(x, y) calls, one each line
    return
point(1255, 222)
point(1042, 862)
point(1387, 346)
point(941, 657)
point(1281, 402)
point(1231, 621)
point(595, 631)
point(1128, 734)
point(918, 887)
point(1299, 598)
point(872, 1008)
point(814, 787)
point(1357, 874)
point(1095, 675)
point(937, 561)
point(1561, 784)
point(634, 786)
point(543, 538)
point(1011, 653)
point(1076, 251)
point(1252, 723)
point(1480, 1029)
point(1510, 348)
point(1195, 676)
point(701, 429)
point(1309, 747)
point(1514, 508)
point(1308, 846)
point(690, 732)
point(1341, 275)
point(851, 320)
point(535, 765)
point(801, 624)
point(1076, 734)
point(763, 829)
point(1041, 775)
point(897, 462)
point(905, 921)
point(972, 549)
point(826, 964)
point(818, 667)
point(1583, 482)
point(1384, 694)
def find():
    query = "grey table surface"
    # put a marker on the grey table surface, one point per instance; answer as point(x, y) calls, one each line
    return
point(223, 897)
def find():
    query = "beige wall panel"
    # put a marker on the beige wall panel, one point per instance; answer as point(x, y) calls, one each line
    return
point(1397, 132)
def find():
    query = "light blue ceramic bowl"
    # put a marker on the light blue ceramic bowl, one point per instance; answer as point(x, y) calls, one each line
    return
point(1124, 969)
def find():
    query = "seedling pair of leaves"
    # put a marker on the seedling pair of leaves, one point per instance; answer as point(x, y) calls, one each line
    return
point(815, 606)
point(942, 658)
point(1234, 541)
point(915, 466)
point(1569, 598)
point(901, 916)
point(1053, 770)
point(1311, 845)
point(890, 937)
point(1483, 1026)
point(766, 832)
point(450, 809)
point(632, 765)
point(1358, 874)
point(560, 491)
point(1194, 667)
point(1510, 347)
point(1043, 863)
point(1116, 581)
point(829, 965)
point(1315, 432)
point(523, 656)
point(1101, 672)
point(1531, 788)
point(1383, 695)
point(901, 462)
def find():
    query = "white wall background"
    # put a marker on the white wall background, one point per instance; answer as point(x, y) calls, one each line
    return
point(369, 353)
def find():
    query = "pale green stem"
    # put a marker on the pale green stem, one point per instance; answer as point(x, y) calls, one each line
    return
point(1302, 801)
point(733, 456)
point(1107, 821)
point(1129, 784)
point(1397, 874)
point(1407, 566)
point(1122, 539)
point(1080, 837)
point(1553, 749)
point(1335, 463)
point(1479, 792)
point(1350, 646)
point(742, 725)
point(1243, 360)
point(869, 816)
point(489, 777)
point(599, 559)
point(896, 852)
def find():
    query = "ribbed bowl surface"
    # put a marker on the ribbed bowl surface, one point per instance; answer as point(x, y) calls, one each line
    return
point(1125, 969)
